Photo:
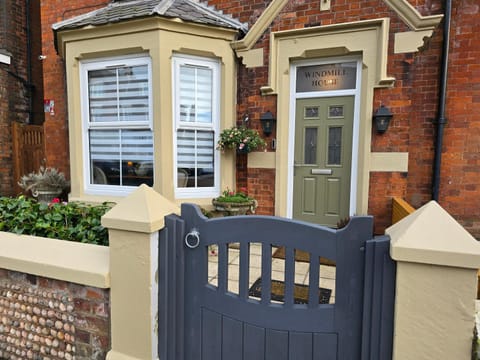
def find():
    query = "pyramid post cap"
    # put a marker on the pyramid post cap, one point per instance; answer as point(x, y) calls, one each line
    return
point(432, 236)
point(143, 210)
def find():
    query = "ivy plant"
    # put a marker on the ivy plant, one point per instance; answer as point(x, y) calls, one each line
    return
point(71, 221)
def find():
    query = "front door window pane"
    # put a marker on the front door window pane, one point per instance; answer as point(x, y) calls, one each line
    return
point(335, 145)
point(311, 145)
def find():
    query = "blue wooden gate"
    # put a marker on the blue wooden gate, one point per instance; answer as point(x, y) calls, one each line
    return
point(200, 319)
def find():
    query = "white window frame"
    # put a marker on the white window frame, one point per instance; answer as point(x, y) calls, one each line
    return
point(214, 65)
point(98, 64)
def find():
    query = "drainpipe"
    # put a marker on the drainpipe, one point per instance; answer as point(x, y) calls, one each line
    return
point(442, 120)
point(29, 61)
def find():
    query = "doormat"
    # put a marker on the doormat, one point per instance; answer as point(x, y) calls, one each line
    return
point(301, 256)
point(300, 292)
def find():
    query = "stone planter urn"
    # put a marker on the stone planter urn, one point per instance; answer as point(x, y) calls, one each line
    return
point(235, 208)
point(46, 195)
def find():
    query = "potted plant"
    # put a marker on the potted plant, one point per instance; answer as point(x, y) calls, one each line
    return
point(242, 139)
point(234, 203)
point(45, 185)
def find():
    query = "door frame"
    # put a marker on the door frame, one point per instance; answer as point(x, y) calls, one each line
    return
point(294, 96)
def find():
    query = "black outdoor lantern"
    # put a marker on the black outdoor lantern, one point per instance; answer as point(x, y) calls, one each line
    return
point(267, 121)
point(382, 119)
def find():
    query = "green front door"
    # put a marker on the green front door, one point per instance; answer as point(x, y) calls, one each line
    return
point(323, 158)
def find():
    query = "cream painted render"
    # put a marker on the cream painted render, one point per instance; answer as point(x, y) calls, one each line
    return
point(159, 39)
point(389, 161)
point(433, 253)
point(78, 263)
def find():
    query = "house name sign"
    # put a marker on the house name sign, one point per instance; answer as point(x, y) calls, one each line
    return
point(327, 77)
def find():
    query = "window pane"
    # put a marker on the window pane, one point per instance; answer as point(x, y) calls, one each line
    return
point(119, 94)
point(311, 145)
point(335, 145)
point(195, 158)
point(195, 87)
point(121, 157)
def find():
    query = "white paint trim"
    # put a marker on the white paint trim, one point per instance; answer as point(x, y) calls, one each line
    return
point(98, 64)
point(214, 65)
point(324, 94)
point(5, 59)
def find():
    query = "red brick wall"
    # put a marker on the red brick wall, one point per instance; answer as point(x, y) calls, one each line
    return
point(50, 318)
point(56, 128)
point(460, 172)
point(14, 92)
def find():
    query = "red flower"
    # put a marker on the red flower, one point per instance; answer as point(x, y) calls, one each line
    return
point(55, 201)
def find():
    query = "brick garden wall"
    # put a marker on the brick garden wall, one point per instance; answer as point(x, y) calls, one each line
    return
point(42, 318)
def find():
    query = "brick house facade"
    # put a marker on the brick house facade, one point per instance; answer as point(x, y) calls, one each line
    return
point(410, 90)
point(21, 98)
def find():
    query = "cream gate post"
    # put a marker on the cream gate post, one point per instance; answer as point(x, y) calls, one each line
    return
point(133, 226)
point(437, 262)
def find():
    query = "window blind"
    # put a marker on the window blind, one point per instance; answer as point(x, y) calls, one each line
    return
point(195, 94)
point(121, 145)
point(118, 94)
point(195, 149)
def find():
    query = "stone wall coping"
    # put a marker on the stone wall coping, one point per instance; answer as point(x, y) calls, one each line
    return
point(432, 236)
point(143, 210)
point(74, 262)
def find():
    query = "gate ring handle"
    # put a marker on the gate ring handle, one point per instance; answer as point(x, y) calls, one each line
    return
point(192, 234)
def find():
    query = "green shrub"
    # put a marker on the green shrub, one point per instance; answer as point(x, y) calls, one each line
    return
point(67, 221)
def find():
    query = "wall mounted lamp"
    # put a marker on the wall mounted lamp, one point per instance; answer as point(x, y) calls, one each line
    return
point(382, 119)
point(267, 120)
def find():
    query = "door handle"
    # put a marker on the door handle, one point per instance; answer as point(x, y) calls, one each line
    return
point(321, 171)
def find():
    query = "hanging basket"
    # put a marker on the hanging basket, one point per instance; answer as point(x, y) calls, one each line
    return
point(244, 150)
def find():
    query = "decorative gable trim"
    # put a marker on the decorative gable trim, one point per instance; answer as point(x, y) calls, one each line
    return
point(263, 22)
point(412, 17)
point(422, 26)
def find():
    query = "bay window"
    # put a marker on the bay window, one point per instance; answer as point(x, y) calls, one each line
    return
point(117, 119)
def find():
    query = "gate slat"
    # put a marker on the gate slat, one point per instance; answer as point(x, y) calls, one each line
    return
point(222, 267)
point(254, 343)
point(300, 346)
point(325, 346)
point(289, 275)
point(266, 273)
point(244, 270)
point(276, 345)
point(232, 339)
point(313, 281)
point(211, 335)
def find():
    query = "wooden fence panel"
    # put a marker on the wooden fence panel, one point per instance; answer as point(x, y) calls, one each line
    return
point(28, 150)
point(400, 209)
